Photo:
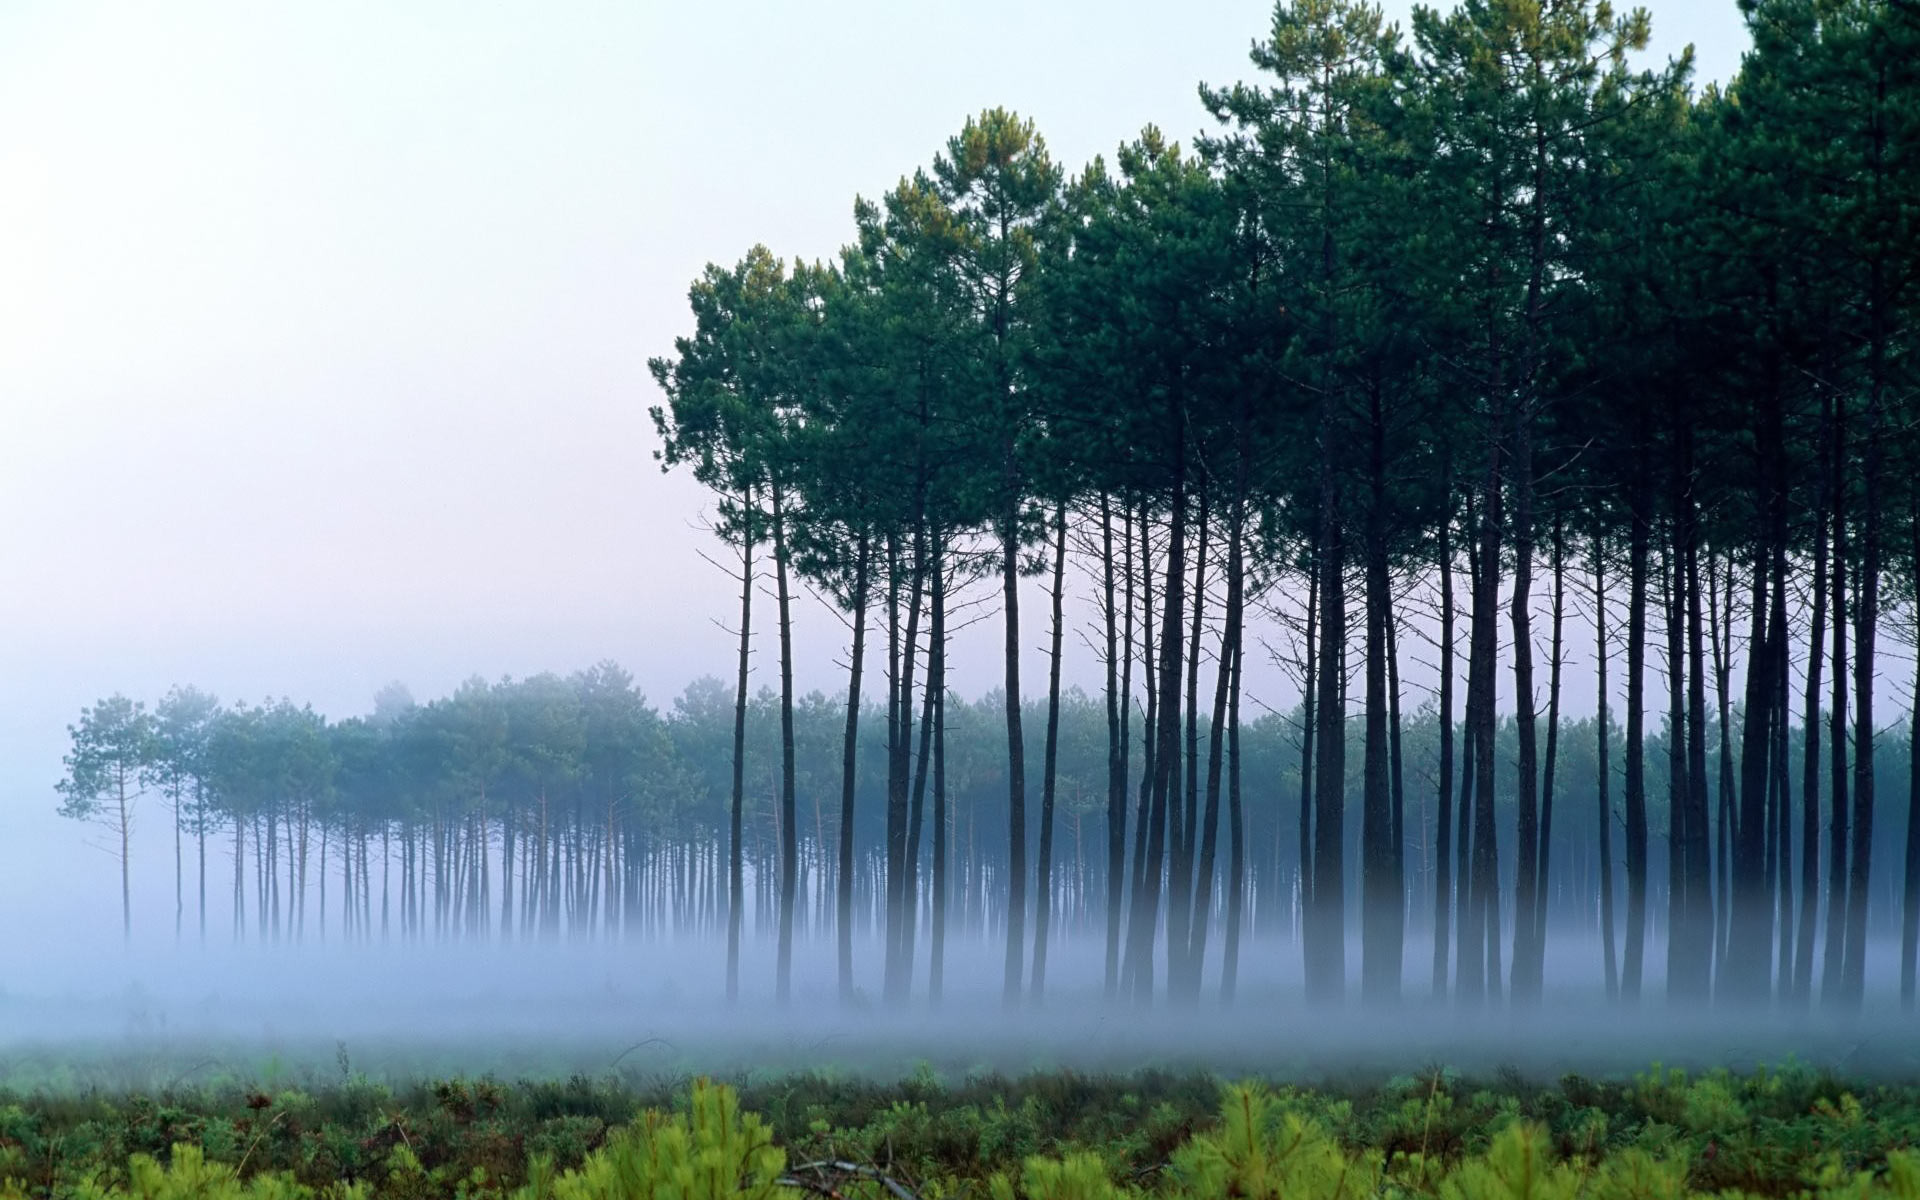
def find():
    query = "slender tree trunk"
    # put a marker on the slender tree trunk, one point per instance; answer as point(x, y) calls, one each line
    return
point(1720, 633)
point(1181, 902)
point(1636, 782)
point(1484, 923)
point(789, 834)
point(1309, 736)
point(1236, 860)
point(1016, 751)
point(849, 771)
point(1149, 749)
point(1910, 868)
point(1216, 747)
point(1526, 965)
point(1556, 656)
point(937, 685)
point(1747, 973)
point(1326, 914)
point(736, 876)
point(1699, 861)
point(1810, 758)
point(1443, 831)
point(1043, 894)
point(1602, 732)
point(1837, 843)
point(1380, 898)
point(1166, 772)
point(123, 824)
point(200, 836)
point(1118, 700)
point(1866, 621)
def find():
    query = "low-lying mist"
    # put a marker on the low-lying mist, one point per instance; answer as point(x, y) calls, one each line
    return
point(75, 1015)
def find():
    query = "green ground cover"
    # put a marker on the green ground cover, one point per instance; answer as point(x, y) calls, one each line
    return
point(1045, 1135)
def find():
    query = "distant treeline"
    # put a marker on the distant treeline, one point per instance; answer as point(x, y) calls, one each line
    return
point(571, 807)
point(1478, 323)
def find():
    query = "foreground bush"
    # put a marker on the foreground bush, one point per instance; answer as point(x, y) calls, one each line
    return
point(1662, 1136)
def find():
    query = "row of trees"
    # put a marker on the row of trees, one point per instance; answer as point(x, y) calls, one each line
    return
point(383, 826)
point(1441, 337)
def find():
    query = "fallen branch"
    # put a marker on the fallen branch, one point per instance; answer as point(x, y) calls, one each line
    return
point(826, 1175)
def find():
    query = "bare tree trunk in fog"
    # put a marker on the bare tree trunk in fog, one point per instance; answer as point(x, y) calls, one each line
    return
point(1636, 782)
point(1810, 760)
point(1470, 960)
point(736, 871)
point(1910, 869)
point(1380, 897)
point(1681, 963)
point(910, 864)
point(346, 889)
point(1016, 748)
point(1484, 923)
point(1397, 791)
point(1166, 772)
point(1443, 831)
point(1746, 973)
point(1137, 916)
point(1556, 658)
point(1602, 732)
point(200, 835)
point(1782, 781)
point(789, 832)
point(937, 684)
point(1325, 925)
point(1182, 976)
point(1224, 682)
point(1119, 698)
point(239, 880)
point(1866, 620)
point(1043, 893)
point(849, 770)
point(1720, 589)
point(1699, 855)
point(1236, 861)
point(1309, 734)
point(1526, 880)
point(1837, 846)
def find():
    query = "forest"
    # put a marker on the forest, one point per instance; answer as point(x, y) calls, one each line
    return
point(1459, 362)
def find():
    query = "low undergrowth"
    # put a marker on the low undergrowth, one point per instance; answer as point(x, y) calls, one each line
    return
point(1042, 1136)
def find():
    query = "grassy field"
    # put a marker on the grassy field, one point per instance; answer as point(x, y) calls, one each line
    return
point(1049, 1135)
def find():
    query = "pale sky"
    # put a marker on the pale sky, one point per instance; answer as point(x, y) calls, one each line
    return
point(323, 328)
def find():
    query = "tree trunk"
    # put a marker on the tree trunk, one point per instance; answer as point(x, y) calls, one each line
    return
point(1181, 902)
point(1016, 754)
point(1555, 659)
point(1325, 926)
point(1636, 782)
point(937, 685)
point(1166, 770)
point(1910, 869)
point(1043, 888)
point(1309, 735)
point(1526, 965)
point(736, 877)
point(1118, 700)
point(1216, 747)
point(1602, 732)
point(1837, 845)
point(1443, 831)
point(849, 772)
point(1380, 897)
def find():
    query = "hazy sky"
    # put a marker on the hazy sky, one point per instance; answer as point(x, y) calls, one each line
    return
point(323, 328)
